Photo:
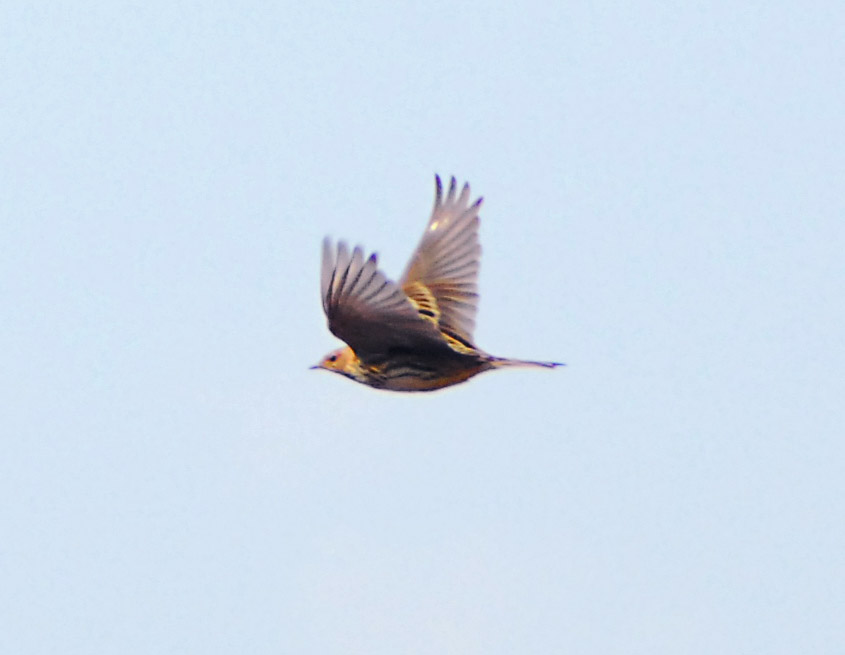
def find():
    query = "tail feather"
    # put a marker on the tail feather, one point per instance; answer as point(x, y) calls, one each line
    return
point(504, 361)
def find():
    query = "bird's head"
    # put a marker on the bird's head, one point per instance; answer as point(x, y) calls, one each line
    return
point(338, 361)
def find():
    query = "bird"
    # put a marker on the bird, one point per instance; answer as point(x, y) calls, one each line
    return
point(414, 334)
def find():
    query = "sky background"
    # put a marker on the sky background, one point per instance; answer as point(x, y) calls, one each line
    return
point(663, 212)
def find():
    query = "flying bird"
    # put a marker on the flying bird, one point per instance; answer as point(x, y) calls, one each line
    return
point(414, 335)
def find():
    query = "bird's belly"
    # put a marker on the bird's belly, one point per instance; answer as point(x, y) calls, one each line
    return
point(412, 383)
point(429, 375)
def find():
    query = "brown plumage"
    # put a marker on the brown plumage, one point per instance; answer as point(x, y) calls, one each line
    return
point(415, 335)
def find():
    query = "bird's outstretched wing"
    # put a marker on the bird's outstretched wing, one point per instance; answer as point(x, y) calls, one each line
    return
point(444, 267)
point(366, 310)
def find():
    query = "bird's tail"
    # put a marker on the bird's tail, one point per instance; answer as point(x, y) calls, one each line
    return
point(499, 362)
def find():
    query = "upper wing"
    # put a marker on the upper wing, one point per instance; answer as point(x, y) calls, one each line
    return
point(368, 311)
point(446, 262)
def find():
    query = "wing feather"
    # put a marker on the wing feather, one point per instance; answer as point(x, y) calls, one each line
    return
point(366, 310)
point(447, 259)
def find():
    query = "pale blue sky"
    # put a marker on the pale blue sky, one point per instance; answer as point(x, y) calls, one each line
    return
point(664, 211)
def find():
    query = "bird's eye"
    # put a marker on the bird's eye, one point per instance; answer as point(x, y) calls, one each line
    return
point(333, 358)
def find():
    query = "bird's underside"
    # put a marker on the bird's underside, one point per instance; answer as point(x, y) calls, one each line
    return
point(408, 370)
point(415, 335)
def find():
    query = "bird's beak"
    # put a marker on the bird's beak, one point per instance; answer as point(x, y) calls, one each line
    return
point(316, 366)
